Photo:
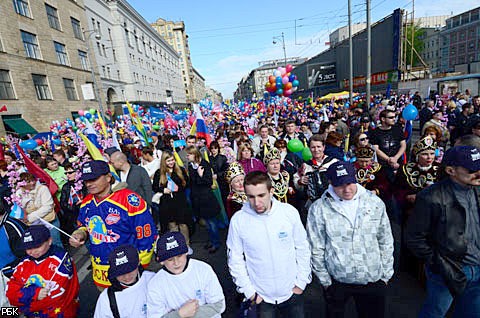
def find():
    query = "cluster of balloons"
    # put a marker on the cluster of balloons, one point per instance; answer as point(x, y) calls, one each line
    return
point(410, 112)
point(88, 114)
point(282, 82)
point(301, 150)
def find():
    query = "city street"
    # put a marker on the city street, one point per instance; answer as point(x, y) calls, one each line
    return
point(404, 293)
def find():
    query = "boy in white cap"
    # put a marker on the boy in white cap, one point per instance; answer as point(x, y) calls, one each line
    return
point(127, 297)
point(184, 287)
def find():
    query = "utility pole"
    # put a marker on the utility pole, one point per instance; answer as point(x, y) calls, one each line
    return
point(92, 70)
point(350, 53)
point(369, 54)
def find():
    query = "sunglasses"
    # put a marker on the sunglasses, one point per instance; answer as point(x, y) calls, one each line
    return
point(363, 139)
point(70, 172)
point(391, 117)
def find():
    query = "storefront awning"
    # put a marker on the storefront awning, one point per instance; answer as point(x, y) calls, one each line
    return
point(18, 126)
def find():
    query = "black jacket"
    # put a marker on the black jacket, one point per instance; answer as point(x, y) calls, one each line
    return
point(204, 202)
point(435, 233)
point(14, 229)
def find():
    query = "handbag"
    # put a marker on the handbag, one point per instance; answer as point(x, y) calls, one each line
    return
point(248, 308)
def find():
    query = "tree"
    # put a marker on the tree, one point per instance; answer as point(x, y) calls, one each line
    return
point(418, 44)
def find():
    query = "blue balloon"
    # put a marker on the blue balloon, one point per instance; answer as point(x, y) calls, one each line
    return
point(28, 144)
point(279, 91)
point(291, 78)
point(57, 142)
point(410, 112)
point(88, 115)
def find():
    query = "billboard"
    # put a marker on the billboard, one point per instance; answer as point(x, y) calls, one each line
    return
point(320, 74)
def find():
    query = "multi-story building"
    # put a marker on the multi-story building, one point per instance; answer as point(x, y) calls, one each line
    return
point(174, 33)
point(214, 95)
point(135, 63)
point(253, 85)
point(341, 33)
point(198, 85)
point(43, 63)
point(460, 40)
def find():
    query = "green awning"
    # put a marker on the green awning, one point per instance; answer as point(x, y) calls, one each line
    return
point(19, 126)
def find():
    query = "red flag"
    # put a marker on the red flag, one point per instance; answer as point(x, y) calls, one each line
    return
point(2, 153)
point(40, 174)
point(3, 108)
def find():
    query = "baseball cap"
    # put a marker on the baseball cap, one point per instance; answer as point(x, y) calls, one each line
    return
point(341, 173)
point(93, 169)
point(153, 134)
point(122, 260)
point(169, 245)
point(35, 235)
point(467, 157)
point(135, 139)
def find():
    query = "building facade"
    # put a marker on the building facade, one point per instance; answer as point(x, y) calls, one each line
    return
point(43, 63)
point(213, 94)
point(198, 85)
point(461, 43)
point(341, 33)
point(174, 33)
point(134, 62)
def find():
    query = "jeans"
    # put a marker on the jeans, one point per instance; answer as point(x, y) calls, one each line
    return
point(293, 307)
point(369, 299)
point(55, 234)
point(213, 233)
point(439, 298)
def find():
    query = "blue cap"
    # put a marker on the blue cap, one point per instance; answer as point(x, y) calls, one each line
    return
point(169, 245)
point(91, 170)
point(35, 235)
point(154, 134)
point(122, 260)
point(467, 157)
point(341, 173)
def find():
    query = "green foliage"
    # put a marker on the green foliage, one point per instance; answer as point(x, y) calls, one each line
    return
point(418, 40)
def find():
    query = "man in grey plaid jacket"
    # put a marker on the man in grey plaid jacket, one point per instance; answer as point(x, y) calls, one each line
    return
point(352, 245)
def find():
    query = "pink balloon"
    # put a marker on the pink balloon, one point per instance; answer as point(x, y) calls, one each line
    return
point(288, 92)
point(283, 71)
point(81, 112)
point(289, 68)
point(191, 120)
point(285, 80)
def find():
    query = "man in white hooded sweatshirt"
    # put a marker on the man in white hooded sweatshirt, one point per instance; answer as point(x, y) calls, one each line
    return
point(268, 251)
point(352, 245)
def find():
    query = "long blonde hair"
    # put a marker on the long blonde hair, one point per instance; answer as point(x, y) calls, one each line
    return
point(164, 169)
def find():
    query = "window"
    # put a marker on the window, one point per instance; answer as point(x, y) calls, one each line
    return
point(70, 89)
point(114, 55)
point(99, 49)
point(52, 16)
point(99, 30)
point(77, 29)
point(21, 7)
point(6, 87)
point(83, 59)
point(31, 45)
point(41, 86)
point(104, 51)
point(61, 52)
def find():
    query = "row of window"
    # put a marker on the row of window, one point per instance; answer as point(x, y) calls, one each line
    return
point(40, 84)
point(32, 50)
point(22, 8)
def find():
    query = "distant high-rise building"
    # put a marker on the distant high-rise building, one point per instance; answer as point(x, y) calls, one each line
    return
point(174, 33)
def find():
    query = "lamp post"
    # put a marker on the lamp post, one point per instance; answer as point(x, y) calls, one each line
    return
point(282, 37)
point(92, 70)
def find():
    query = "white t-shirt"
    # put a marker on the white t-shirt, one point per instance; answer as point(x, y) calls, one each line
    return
point(168, 292)
point(131, 302)
point(151, 167)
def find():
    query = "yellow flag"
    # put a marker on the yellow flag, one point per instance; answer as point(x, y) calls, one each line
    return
point(102, 124)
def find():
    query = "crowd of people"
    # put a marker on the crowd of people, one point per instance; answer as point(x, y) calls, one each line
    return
point(346, 192)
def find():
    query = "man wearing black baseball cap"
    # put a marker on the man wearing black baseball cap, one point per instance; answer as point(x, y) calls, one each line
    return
point(111, 218)
point(352, 245)
point(444, 232)
point(127, 297)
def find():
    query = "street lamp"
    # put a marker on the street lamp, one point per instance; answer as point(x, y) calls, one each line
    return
point(283, 45)
point(92, 70)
